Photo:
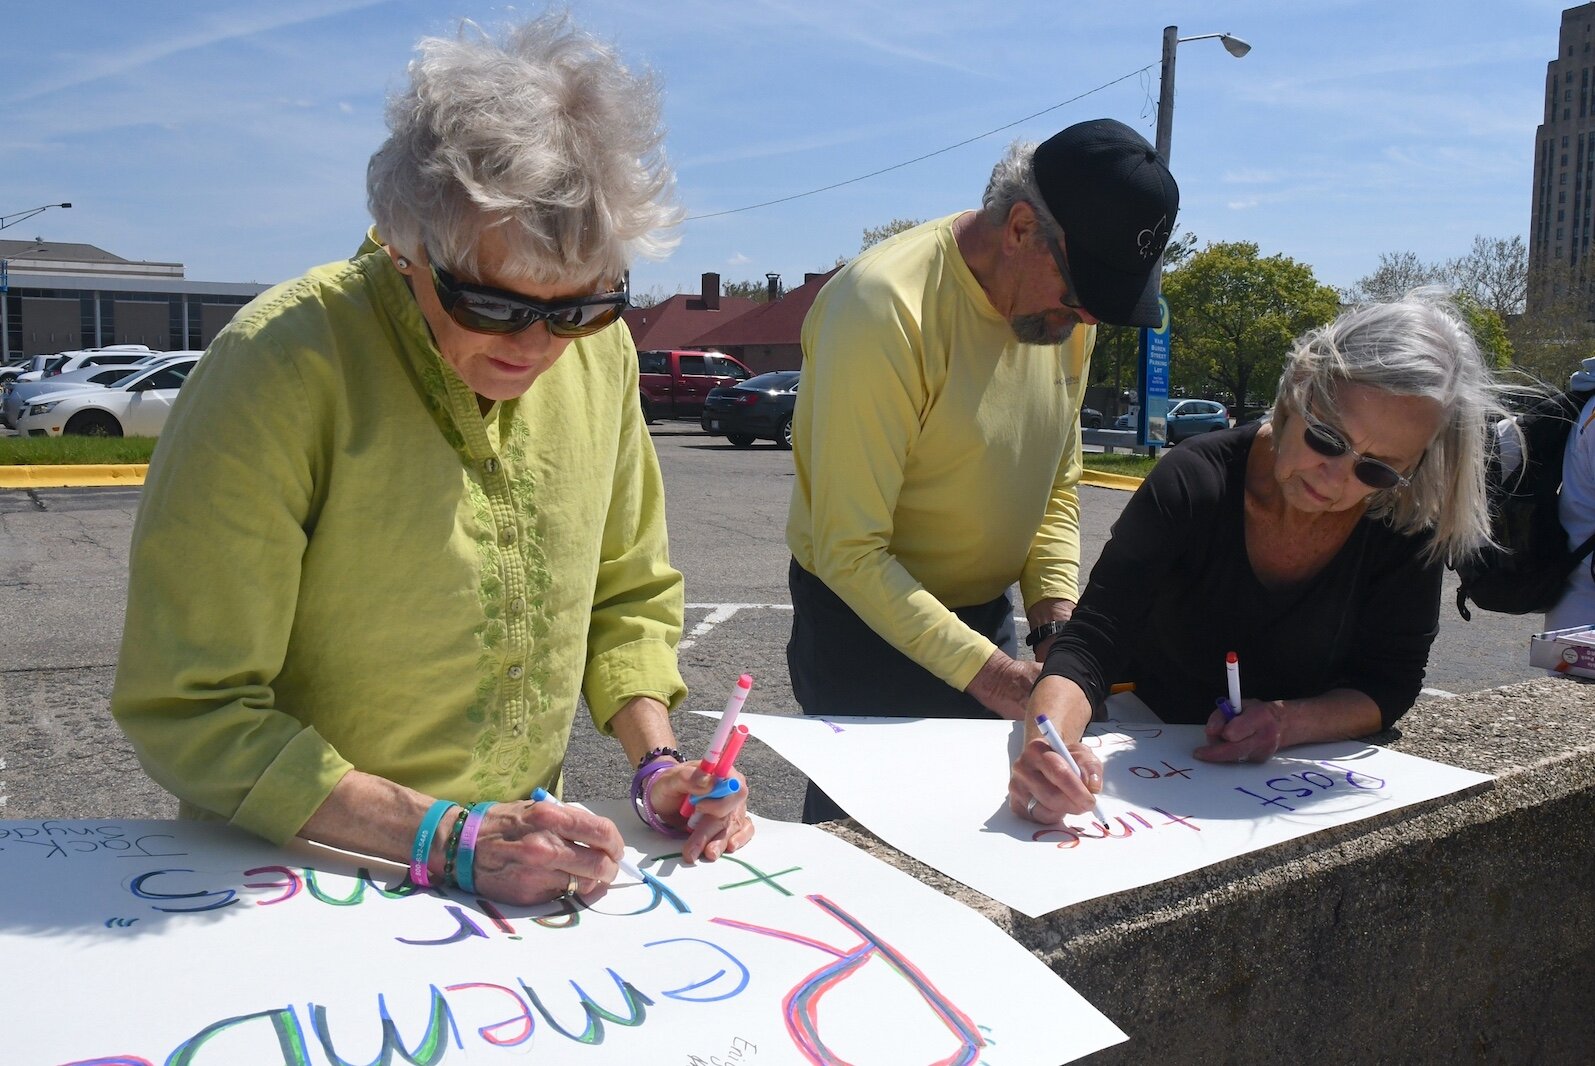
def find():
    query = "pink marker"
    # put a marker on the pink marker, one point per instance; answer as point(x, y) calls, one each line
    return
point(726, 784)
point(717, 743)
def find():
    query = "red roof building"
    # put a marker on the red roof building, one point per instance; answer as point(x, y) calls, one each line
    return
point(770, 336)
point(678, 321)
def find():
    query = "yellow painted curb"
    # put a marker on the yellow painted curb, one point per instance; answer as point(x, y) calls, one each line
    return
point(57, 477)
point(71, 477)
point(1104, 480)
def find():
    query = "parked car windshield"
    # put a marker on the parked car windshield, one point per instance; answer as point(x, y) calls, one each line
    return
point(774, 379)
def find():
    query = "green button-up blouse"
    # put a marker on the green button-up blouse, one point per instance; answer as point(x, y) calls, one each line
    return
point(339, 562)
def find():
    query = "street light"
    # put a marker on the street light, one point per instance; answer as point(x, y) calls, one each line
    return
point(20, 216)
point(1165, 100)
point(1165, 130)
point(5, 275)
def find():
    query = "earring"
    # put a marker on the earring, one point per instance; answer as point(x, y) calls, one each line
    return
point(404, 264)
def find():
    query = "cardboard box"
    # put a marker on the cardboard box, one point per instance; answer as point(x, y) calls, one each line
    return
point(1565, 651)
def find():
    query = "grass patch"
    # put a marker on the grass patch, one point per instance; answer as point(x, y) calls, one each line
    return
point(74, 451)
point(1119, 463)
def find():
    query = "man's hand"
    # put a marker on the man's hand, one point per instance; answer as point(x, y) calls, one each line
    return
point(1003, 685)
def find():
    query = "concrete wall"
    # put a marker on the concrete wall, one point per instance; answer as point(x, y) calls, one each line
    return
point(1459, 931)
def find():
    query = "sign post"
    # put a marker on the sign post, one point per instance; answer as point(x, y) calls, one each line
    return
point(1151, 428)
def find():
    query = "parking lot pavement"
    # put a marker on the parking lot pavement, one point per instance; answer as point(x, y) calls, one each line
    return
point(63, 580)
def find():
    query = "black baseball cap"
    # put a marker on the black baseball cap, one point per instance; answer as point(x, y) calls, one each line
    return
point(1114, 197)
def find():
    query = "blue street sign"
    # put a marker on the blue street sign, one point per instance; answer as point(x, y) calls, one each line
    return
point(1152, 422)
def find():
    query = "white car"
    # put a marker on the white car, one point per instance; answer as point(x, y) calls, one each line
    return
point(136, 406)
point(15, 395)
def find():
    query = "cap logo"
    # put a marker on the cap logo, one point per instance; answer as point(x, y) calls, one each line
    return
point(1151, 241)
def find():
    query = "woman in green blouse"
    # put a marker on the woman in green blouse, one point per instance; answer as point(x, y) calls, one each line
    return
point(406, 511)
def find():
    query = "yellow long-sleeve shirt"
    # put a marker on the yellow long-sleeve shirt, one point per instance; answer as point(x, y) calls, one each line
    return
point(937, 457)
point(339, 562)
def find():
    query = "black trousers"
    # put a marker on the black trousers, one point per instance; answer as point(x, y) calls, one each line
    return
point(840, 666)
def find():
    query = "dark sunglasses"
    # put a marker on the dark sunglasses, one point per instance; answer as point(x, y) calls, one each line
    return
point(1069, 299)
point(1371, 472)
point(482, 309)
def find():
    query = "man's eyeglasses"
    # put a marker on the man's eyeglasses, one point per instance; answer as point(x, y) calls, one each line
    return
point(482, 309)
point(1069, 299)
point(1371, 472)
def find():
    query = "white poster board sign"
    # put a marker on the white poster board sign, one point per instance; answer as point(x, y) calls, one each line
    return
point(937, 789)
point(142, 943)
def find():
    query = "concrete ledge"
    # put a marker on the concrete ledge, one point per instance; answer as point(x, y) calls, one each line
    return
point(66, 476)
point(1462, 930)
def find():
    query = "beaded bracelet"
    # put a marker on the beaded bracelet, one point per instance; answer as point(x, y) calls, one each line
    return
point(465, 872)
point(451, 849)
point(642, 799)
point(659, 753)
point(421, 847)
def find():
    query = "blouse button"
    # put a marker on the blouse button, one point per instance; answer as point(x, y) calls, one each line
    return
point(490, 466)
point(515, 672)
point(517, 605)
point(508, 536)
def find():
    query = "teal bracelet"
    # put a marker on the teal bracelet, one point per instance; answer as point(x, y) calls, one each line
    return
point(465, 862)
point(422, 847)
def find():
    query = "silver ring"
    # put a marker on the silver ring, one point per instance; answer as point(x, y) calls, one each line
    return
point(570, 887)
point(1030, 808)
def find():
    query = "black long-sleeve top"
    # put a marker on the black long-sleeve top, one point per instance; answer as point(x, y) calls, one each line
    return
point(1174, 591)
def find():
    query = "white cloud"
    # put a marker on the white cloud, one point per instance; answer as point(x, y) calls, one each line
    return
point(1250, 177)
point(738, 260)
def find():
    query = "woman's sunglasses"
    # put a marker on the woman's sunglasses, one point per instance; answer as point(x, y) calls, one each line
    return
point(482, 309)
point(1371, 472)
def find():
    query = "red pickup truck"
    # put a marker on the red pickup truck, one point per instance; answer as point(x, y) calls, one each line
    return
point(673, 384)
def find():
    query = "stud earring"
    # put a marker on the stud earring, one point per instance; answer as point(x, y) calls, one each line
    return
point(404, 264)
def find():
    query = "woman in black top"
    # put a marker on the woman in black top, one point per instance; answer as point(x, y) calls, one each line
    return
point(1310, 544)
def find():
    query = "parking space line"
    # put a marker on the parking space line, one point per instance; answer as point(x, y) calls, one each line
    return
point(721, 612)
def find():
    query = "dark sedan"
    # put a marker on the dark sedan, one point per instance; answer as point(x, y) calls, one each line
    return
point(759, 408)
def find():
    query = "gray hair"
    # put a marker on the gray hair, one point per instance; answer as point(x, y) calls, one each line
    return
point(1013, 181)
point(1418, 345)
point(543, 134)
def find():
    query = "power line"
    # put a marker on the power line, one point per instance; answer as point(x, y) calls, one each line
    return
point(927, 155)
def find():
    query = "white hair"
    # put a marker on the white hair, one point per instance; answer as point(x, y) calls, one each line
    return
point(1418, 345)
point(543, 134)
point(1013, 181)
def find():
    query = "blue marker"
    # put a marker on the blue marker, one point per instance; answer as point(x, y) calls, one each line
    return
point(542, 795)
point(719, 791)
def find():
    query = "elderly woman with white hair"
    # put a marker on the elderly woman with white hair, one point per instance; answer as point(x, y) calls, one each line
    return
point(406, 512)
point(1311, 545)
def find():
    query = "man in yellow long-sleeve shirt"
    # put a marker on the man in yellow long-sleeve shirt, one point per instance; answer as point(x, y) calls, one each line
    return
point(937, 431)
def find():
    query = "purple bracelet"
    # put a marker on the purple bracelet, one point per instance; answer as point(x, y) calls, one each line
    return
point(642, 801)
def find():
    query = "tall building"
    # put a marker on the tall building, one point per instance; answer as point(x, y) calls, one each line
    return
point(1562, 222)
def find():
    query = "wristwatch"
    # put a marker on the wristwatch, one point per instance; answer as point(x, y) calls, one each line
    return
point(1045, 631)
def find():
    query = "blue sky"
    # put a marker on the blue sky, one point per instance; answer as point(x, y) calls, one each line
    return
point(232, 136)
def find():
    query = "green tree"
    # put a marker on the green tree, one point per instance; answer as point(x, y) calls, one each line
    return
point(1556, 332)
point(1495, 273)
point(877, 234)
point(1396, 275)
point(1235, 314)
point(1488, 330)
